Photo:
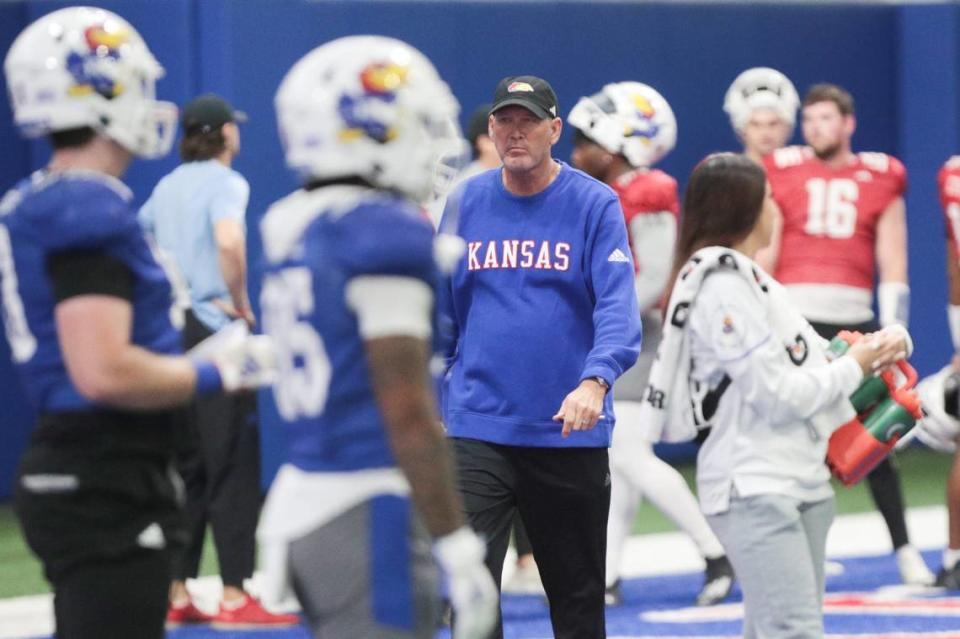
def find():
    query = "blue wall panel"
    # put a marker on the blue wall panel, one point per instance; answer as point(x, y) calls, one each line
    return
point(929, 91)
point(899, 62)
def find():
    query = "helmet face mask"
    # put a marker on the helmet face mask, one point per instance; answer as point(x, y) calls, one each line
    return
point(761, 88)
point(629, 119)
point(87, 67)
point(371, 107)
point(452, 152)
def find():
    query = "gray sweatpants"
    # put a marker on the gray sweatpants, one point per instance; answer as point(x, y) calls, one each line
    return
point(777, 546)
point(368, 574)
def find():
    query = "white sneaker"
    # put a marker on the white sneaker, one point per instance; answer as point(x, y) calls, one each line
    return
point(913, 570)
point(525, 580)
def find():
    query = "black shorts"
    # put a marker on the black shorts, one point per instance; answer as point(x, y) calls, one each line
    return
point(91, 483)
point(828, 331)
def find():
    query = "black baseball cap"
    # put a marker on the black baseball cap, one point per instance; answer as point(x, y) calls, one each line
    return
point(527, 91)
point(208, 113)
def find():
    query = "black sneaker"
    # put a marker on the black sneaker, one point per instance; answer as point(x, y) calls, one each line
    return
point(949, 579)
point(717, 581)
point(613, 596)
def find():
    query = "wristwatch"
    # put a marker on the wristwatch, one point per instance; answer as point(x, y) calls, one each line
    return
point(601, 381)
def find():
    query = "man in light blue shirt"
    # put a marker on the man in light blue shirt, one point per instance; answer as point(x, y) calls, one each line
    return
point(196, 215)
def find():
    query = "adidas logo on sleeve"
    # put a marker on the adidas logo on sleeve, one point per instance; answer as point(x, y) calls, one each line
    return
point(618, 256)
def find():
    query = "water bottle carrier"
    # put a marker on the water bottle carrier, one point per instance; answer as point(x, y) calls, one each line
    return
point(886, 412)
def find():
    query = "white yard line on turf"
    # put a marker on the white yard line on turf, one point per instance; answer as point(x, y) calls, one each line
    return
point(663, 553)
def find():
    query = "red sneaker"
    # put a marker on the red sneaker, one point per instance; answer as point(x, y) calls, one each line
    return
point(186, 614)
point(250, 614)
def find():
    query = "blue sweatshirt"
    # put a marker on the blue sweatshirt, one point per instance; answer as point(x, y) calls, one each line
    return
point(543, 299)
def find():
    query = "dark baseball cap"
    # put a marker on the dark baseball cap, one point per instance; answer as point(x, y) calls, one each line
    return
point(527, 91)
point(208, 113)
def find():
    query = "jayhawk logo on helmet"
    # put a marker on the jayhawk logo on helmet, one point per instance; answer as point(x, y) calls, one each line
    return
point(84, 66)
point(364, 114)
point(645, 113)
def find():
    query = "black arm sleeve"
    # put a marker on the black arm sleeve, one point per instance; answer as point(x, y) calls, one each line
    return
point(93, 272)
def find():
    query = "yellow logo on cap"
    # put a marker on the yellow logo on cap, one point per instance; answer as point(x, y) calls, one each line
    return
point(519, 86)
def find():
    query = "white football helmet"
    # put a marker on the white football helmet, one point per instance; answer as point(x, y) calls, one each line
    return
point(628, 118)
point(939, 429)
point(372, 107)
point(87, 67)
point(761, 88)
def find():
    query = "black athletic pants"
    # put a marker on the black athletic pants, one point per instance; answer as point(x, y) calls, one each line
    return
point(218, 456)
point(114, 599)
point(520, 537)
point(563, 497)
point(100, 506)
point(884, 480)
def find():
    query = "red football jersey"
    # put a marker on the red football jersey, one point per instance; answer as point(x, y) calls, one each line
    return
point(949, 183)
point(830, 215)
point(646, 191)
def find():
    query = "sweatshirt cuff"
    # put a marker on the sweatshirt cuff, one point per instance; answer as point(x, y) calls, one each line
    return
point(596, 369)
point(848, 374)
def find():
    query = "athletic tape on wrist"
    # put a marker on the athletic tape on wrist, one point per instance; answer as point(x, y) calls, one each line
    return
point(893, 302)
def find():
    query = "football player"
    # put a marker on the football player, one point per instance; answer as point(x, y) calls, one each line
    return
point(88, 315)
point(762, 105)
point(349, 296)
point(621, 132)
point(940, 430)
point(843, 217)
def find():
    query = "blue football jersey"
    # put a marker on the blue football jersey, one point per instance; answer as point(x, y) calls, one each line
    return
point(315, 242)
point(49, 213)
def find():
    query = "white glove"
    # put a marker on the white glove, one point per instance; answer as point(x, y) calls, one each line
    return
point(245, 361)
point(473, 594)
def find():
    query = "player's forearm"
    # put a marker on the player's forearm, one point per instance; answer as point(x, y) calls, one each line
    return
point(891, 244)
point(135, 378)
point(653, 237)
point(233, 267)
point(893, 293)
point(398, 369)
point(424, 455)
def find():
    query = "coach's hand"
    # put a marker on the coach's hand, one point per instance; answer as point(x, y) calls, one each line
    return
point(581, 409)
point(473, 594)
